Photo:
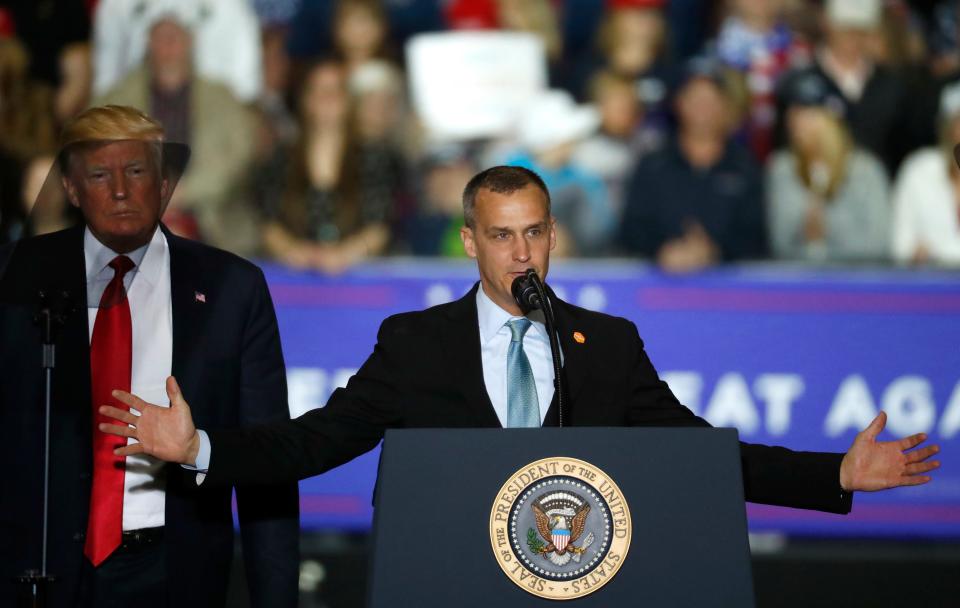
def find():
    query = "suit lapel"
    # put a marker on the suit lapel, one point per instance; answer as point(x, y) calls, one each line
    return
point(188, 301)
point(461, 346)
point(576, 360)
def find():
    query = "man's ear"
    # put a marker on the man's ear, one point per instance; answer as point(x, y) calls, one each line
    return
point(469, 245)
point(71, 191)
point(553, 232)
point(165, 192)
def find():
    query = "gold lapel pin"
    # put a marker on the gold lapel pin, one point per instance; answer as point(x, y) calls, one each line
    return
point(579, 338)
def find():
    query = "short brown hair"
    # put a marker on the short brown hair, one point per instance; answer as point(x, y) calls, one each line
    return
point(502, 179)
point(108, 123)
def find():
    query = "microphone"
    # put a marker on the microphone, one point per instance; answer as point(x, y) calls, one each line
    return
point(53, 308)
point(525, 291)
point(530, 294)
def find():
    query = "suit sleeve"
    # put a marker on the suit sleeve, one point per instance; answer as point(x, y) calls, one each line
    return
point(771, 475)
point(352, 423)
point(269, 513)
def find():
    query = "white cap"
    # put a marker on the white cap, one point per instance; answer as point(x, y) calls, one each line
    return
point(552, 118)
point(859, 14)
point(188, 15)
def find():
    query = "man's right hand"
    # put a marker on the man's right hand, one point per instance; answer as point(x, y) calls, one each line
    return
point(164, 433)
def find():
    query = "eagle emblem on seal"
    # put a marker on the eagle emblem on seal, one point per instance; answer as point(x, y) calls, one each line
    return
point(561, 518)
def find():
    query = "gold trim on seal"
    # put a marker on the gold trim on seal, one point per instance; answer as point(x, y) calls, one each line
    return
point(621, 528)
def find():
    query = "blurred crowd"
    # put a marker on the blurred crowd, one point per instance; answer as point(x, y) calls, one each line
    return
point(684, 132)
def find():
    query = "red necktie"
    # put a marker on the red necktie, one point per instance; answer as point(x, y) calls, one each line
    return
point(111, 356)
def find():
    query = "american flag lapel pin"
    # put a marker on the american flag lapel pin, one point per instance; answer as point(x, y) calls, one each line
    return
point(199, 297)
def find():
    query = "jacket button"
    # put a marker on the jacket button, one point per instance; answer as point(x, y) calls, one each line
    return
point(78, 536)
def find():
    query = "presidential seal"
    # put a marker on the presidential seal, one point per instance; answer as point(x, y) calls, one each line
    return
point(560, 528)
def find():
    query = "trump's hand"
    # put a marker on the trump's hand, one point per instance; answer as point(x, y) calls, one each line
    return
point(166, 433)
point(877, 465)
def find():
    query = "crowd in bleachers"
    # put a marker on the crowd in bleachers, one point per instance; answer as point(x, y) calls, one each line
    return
point(684, 132)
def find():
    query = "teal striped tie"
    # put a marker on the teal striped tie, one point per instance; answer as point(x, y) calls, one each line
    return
point(523, 408)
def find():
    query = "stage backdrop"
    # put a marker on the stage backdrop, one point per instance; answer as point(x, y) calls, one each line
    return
point(789, 356)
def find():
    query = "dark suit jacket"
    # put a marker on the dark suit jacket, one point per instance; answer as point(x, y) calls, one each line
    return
point(227, 359)
point(426, 371)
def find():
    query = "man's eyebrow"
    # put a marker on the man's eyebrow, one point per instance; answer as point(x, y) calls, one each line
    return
point(540, 224)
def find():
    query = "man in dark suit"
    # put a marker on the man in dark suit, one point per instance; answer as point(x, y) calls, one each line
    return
point(477, 362)
point(141, 304)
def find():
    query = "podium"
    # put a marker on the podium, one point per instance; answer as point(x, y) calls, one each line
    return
point(533, 517)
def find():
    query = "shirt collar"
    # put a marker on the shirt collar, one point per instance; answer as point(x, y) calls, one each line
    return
point(97, 255)
point(492, 318)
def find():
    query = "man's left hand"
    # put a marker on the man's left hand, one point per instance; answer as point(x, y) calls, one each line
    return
point(871, 465)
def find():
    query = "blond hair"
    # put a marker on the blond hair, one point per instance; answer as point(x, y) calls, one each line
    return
point(834, 146)
point(108, 123)
point(111, 123)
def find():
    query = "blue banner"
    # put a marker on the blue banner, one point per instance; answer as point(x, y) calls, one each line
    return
point(789, 356)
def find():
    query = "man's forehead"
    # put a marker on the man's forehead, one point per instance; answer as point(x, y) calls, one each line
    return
point(125, 150)
point(526, 201)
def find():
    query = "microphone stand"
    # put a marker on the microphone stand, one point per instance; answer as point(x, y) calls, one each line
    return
point(547, 308)
point(51, 315)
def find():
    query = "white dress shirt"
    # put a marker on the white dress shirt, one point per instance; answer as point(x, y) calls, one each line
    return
point(495, 339)
point(151, 315)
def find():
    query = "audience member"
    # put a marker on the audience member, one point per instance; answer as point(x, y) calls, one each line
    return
point(434, 228)
point(226, 38)
point(278, 125)
point(360, 32)
point(339, 194)
point(872, 92)
point(699, 200)
point(633, 44)
point(379, 122)
point(899, 45)
point(332, 206)
point(926, 196)
point(754, 41)
point(623, 138)
point(828, 201)
point(208, 203)
point(549, 130)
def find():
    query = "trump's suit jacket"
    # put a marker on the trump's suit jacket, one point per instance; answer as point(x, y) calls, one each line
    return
point(426, 371)
point(227, 359)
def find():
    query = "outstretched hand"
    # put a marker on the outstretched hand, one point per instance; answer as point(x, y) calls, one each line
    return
point(871, 465)
point(165, 433)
